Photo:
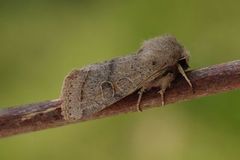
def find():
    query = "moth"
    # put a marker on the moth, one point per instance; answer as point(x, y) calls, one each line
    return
point(89, 90)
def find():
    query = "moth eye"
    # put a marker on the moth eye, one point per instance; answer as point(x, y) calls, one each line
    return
point(183, 63)
point(154, 63)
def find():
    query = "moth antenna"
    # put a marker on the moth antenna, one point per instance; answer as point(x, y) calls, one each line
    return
point(180, 69)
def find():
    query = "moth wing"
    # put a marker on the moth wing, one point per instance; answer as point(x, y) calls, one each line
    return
point(114, 80)
point(95, 87)
point(89, 90)
point(106, 84)
point(72, 93)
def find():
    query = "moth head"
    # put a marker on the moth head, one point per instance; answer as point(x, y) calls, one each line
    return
point(164, 51)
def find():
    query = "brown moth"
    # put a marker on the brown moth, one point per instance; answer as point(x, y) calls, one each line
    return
point(90, 89)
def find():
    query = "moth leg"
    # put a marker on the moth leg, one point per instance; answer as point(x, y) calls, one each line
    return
point(163, 83)
point(162, 96)
point(180, 69)
point(140, 98)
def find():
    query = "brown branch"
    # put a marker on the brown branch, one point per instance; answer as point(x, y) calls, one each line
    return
point(206, 81)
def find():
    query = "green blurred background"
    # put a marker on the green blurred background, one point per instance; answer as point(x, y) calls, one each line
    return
point(41, 41)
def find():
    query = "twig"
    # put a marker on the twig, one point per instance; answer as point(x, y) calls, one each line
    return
point(206, 81)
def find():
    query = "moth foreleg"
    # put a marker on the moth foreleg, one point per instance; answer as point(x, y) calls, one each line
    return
point(181, 70)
